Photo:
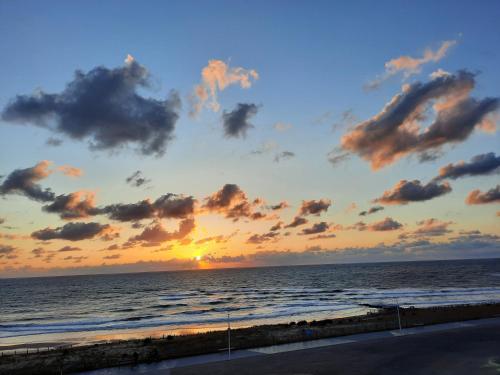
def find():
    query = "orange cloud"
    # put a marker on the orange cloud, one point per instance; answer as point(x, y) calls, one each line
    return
point(215, 77)
point(70, 171)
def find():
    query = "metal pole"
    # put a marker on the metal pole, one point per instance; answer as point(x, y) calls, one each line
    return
point(399, 317)
point(228, 337)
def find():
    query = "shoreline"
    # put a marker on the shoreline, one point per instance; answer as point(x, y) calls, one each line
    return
point(134, 351)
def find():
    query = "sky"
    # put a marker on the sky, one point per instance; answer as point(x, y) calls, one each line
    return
point(185, 135)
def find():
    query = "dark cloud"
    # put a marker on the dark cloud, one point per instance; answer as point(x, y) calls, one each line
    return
point(168, 206)
point(478, 197)
point(24, 182)
point(372, 210)
point(316, 228)
point(75, 259)
point(260, 238)
point(232, 202)
point(314, 207)
point(483, 164)
point(156, 234)
point(77, 205)
point(323, 236)
point(413, 191)
point(432, 228)
point(297, 221)
point(280, 206)
point(209, 258)
point(54, 142)
point(114, 256)
point(72, 232)
point(395, 131)
point(284, 155)
point(103, 106)
point(7, 251)
point(236, 123)
point(276, 226)
point(385, 225)
point(38, 252)
point(69, 248)
point(137, 179)
point(335, 157)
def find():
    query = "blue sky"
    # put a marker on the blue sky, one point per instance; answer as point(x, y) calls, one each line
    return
point(313, 60)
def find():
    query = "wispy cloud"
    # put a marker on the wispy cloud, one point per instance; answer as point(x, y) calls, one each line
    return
point(410, 65)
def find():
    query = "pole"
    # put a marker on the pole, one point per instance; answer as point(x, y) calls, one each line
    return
point(228, 337)
point(399, 316)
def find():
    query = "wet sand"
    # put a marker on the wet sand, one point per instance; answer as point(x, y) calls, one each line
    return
point(82, 358)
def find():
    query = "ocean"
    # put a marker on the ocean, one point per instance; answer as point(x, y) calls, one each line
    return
point(83, 309)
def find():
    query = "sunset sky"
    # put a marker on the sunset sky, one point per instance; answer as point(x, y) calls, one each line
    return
point(182, 135)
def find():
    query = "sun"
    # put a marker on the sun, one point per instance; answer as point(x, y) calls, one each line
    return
point(197, 258)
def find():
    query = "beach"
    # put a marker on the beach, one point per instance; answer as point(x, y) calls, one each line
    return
point(129, 352)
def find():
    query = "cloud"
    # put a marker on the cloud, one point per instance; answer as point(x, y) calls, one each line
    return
point(75, 259)
point(284, 155)
point(405, 192)
point(260, 238)
point(276, 227)
point(410, 65)
point(68, 248)
point(280, 206)
point(314, 207)
point(53, 142)
point(478, 197)
point(282, 126)
point(432, 228)
point(215, 77)
point(351, 207)
point(463, 246)
point(77, 205)
point(141, 266)
point(323, 237)
point(316, 228)
point(70, 171)
point(38, 252)
point(137, 179)
point(72, 232)
point(335, 157)
point(24, 182)
point(113, 256)
point(297, 221)
point(265, 148)
point(7, 251)
point(156, 234)
point(168, 206)
point(236, 123)
point(397, 131)
point(385, 225)
point(232, 202)
point(209, 258)
point(217, 239)
point(103, 107)
point(372, 210)
point(483, 164)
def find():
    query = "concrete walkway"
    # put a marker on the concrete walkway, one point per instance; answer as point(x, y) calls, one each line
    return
point(284, 359)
